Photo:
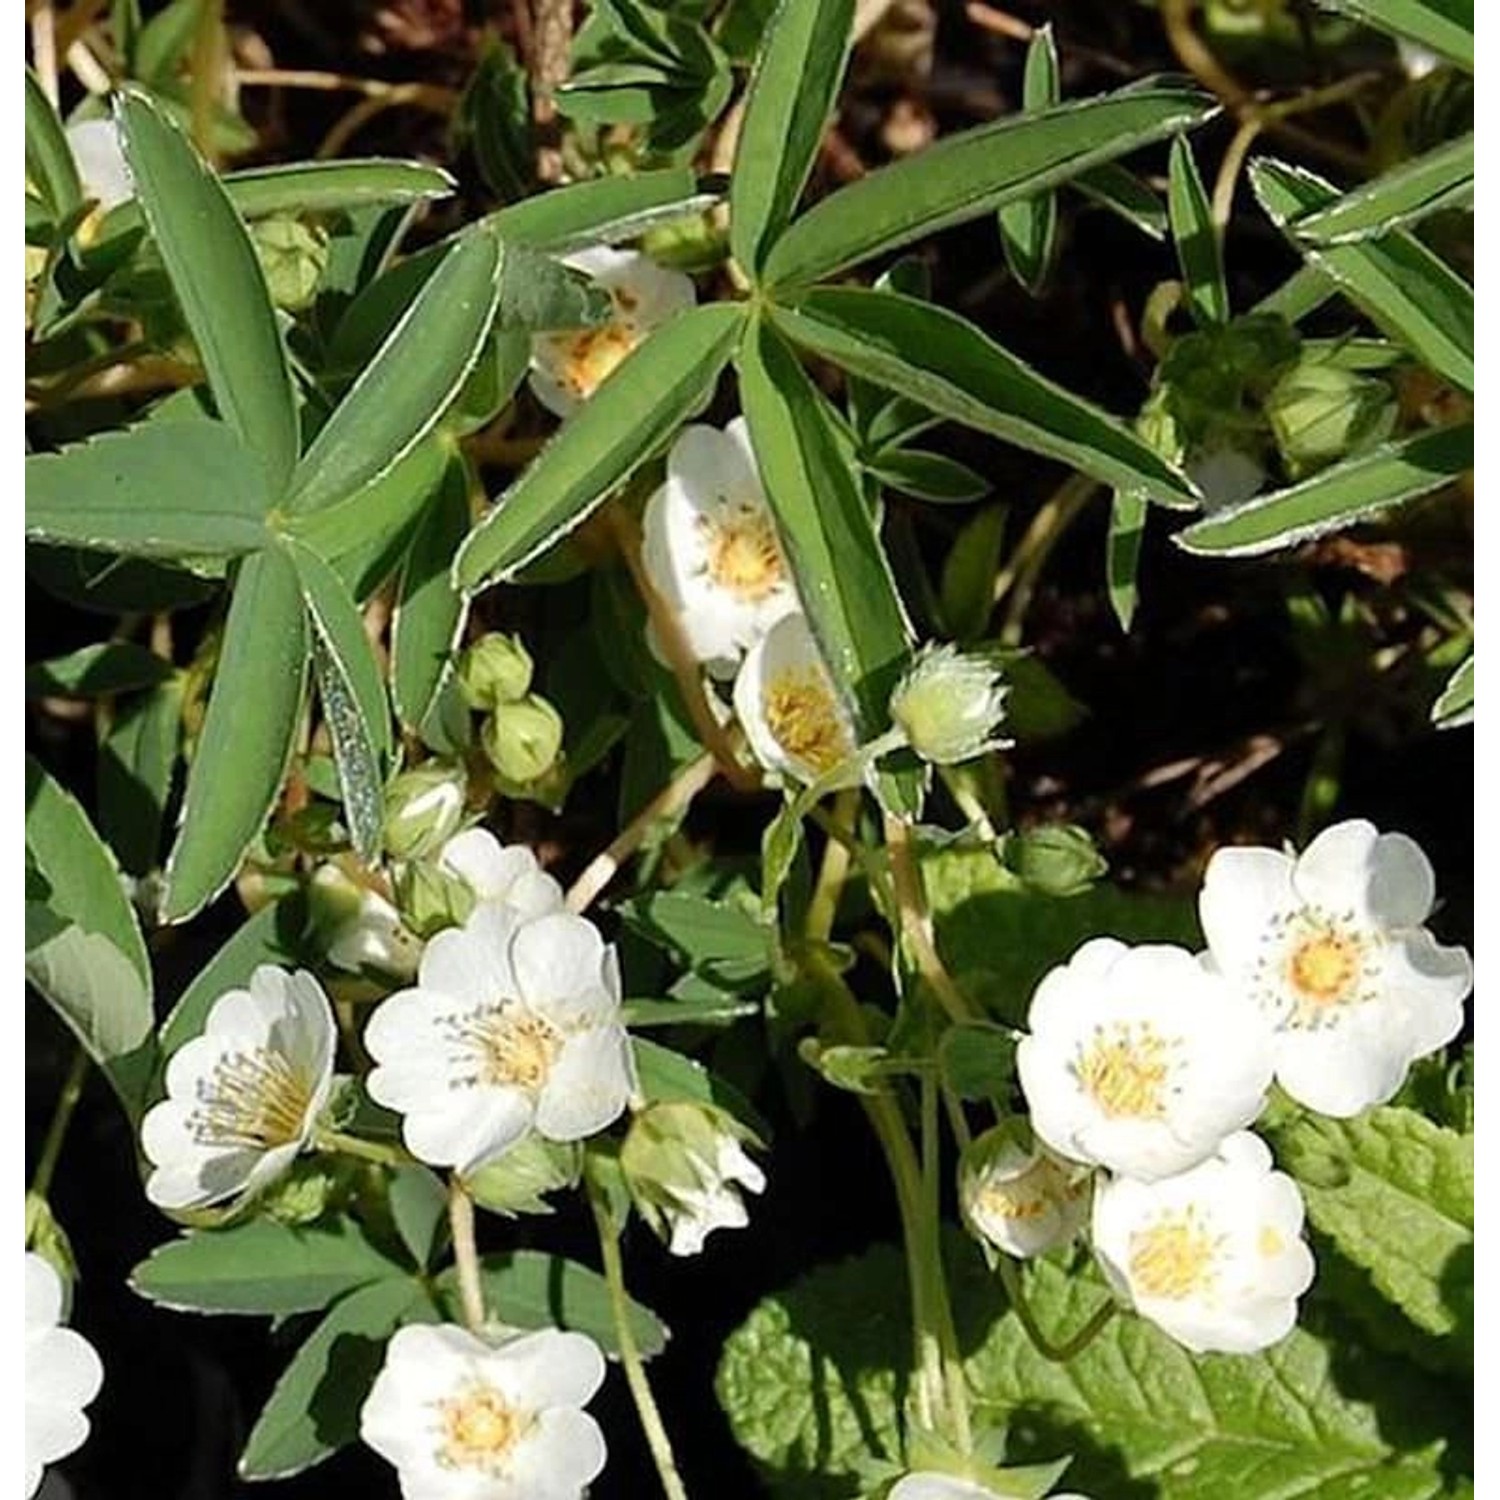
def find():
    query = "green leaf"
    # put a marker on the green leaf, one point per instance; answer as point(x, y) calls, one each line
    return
point(1119, 190)
point(825, 527)
point(686, 1012)
point(91, 963)
point(1438, 179)
point(134, 778)
point(949, 366)
point(605, 210)
point(97, 671)
point(219, 283)
point(627, 420)
point(429, 614)
point(261, 1267)
point(978, 1060)
point(1303, 292)
point(1127, 530)
point(247, 735)
point(928, 476)
point(1406, 290)
point(314, 1409)
point(716, 939)
point(352, 692)
point(408, 384)
point(1336, 497)
point(162, 489)
point(419, 1203)
point(1443, 26)
point(1394, 1194)
point(792, 93)
point(1028, 228)
point(1200, 251)
point(976, 171)
point(811, 1387)
point(1455, 705)
point(530, 1289)
point(49, 159)
point(667, 1076)
point(967, 591)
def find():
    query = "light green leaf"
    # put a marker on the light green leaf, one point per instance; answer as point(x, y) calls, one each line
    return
point(825, 527)
point(963, 176)
point(1127, 530)
point(163, 489)
point(1028, 229)
point(792, 93)
point(686, 1012)
point(242, 753)
point(1200, 251)
point(944, 362)
point(605, 210)
point(1444, 26)
point(90, 963)
point(314, 1409)
point(408, 384)
point(1303, 292)
point(352, 691)
point(1336, 497)
point(1438, 179)
point(1406, 290)
point(626, 421)
point(716, 939)
point(49, 159)
point(261, 1267)
point(419, 1202)
point(1119, 190)
point(967, 590)
point(97, 671)
point(1455, 705)
point(219, 283)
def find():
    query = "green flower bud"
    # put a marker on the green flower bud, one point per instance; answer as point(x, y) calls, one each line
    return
point(949, 704)
point(523, 739)
point(305, 1193)
point(519, 1181)
point(1059, 860)
point(424, 808)
point(48, 1238)
point(430, 899)
point(1320, 413)
point(293, 256)
point(495, 670)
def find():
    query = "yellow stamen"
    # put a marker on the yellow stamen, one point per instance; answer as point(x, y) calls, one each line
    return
point(509, 1045)
point(479, 1429)
point(590, 357)
point(1324, 967)
point(743, 557)
point(804, 719)
point(254, 1099)
point(1125, 1071)
point(1174, 1258)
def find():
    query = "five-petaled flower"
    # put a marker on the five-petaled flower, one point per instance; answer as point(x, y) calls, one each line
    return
point(512, 1025)
point(507, 874)
point(462, 1419)
point(1022, 1201)
point(1215, 1255)
point(244, 1097)
point(63, 1374)
point(1331, 947)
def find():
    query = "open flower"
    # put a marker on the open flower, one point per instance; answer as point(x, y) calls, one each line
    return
point(63, 1374)
point(1024, 1202)
point(1331, 947)
point(1140, 1059)
point(242, 1098)
point(507, 874)
point(787, 704)
point(568, 367)
point(1215, 1255)
point(928, 1484)
point(709, 546)
point(513, 1024)
point(465, 1420)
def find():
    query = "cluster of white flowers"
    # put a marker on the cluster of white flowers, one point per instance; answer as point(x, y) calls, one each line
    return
point(63, 1374)
point(1149, 1062)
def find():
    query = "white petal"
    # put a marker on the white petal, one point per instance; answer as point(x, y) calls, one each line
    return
point(1333, 872)
point(559, 962)
point(478, 1125)
point(707, 465)
point(53, 1432)
point(100, 158)
point(44, 1292)
point(1431, 983)
point(1245, 892)
point(588, 1087)
point(566, 1452)
point(201, 1181)
point(62, 1369)
point(471, 964)
point(490, 869)
point(938, 1487)
point(557, 397)
point(1402, 885)
point(550, 1367)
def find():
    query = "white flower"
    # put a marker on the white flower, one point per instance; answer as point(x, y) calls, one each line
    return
point(1140, 1059)
point(931, 1485)
point(1214, 1256)
point(716, 1202)
point(242, 1098)
point(1023, 1202)
point(1332, 948)
point(567, 368)
point(786, 703)
point(512, 1025)
point(504, 873)
point(360, 929)
point(63, 1374)
point(709, 546)
point(100, 159)
point(465, 1420)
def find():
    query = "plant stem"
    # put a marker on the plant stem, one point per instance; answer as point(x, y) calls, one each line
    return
point(955, 1386)
point(465, 1253)
point(630, 1354)
point(386, 1155)
point(834, 870)
point(62, 1113)
point(916, 924)
point(1010, 1277)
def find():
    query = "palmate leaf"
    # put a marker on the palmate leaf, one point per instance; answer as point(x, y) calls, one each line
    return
point(1438, 179)
point(1028, 229)
point(1199, 251)
point(134, 779)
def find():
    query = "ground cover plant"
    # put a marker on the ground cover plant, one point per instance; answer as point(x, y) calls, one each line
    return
point(747, 759)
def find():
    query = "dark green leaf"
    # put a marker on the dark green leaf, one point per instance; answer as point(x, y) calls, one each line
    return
point(604, 210)
point(978, 1061)
point(419, 1203)
point(97, 671)
point(967, 591)
point(1444, 26)
point(1127, 530)
point(1119, 190)
point(668, 1076)
point(1200, 252)
point(1028, 228)
point(928, 476)
point(136, 761)
point(1438, 179)
point(717, 939)
point(49, 159)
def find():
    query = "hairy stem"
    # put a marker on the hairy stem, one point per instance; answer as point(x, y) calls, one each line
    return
point(465, 1253)
point(916, 924)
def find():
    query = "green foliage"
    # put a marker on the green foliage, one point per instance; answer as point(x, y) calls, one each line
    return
point(1028, 229)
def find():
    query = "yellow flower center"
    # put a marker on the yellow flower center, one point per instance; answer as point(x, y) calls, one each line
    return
point(590, 357)
point(804, 719)
point(1029, 1195)
point(1173, 1258)
point(253, 1099)
point(508, 1045)
point(479, 1429)
point(1126, 1070)
point(742, 554)
point(1324, 967)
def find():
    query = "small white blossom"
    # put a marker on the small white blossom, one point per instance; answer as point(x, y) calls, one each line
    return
point(1331, 947)
point(787, 704)
point(715, 1203)
point(568, 367)
point(462, 1419)
point(100, 159)
point(507, 874)
point(710, 548)
point(1215, 1255)
point(931, 1485)
point(360, 929)
point(242, 1098)
point(1023, 1202)
point(950, 703)
point(512, 1025)
point(1140, 1059)
point(63, 1374)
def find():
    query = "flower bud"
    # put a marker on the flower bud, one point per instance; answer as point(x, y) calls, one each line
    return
point(293, 256)
point(305, 1193)
point(49, 1239)
point(949, 704)
point(358, 929)
point(424, 808)
point(495, 670)
point(1227, 476)
point(430, 898)
point(1059, 860)
point(1320, 413)
point(523, 739)
point(1016, 1197)
point(685, 1164)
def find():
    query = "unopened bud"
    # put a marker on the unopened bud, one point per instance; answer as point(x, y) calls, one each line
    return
point(495, 670)
point(293, 256)
point(431, 898)
point(1016, 1197)
point(523, 739)
point(950, 704)
point(1059, 860)
point(359, 929)
point(1320, 413)
point(424, 808)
